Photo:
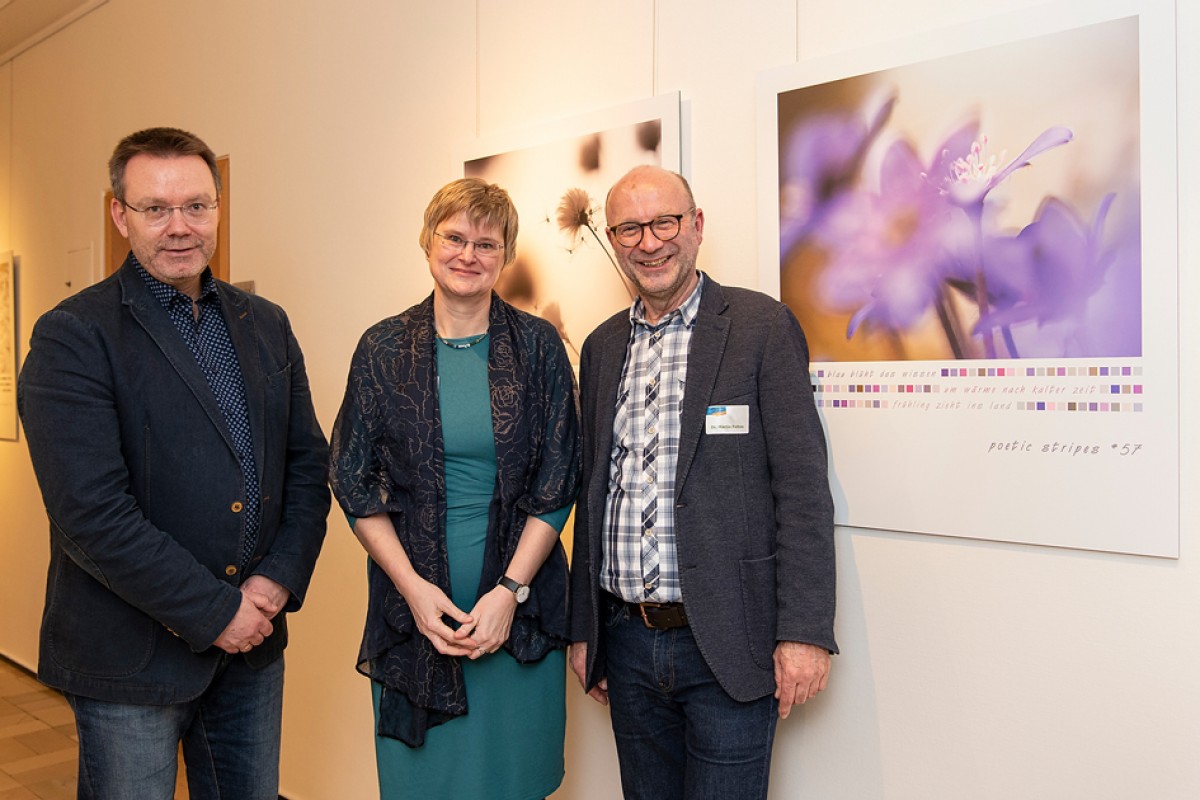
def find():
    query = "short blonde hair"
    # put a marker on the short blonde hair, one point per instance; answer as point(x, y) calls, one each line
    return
point(485, 204)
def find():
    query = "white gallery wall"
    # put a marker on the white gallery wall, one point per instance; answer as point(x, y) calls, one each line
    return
point(969, 669)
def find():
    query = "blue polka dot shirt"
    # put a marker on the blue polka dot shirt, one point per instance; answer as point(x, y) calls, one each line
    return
point(208, 339)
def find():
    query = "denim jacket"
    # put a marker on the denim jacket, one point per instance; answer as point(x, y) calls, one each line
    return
point(144, 492)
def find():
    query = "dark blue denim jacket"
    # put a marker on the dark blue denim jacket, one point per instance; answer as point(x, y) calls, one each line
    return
point(145, 495)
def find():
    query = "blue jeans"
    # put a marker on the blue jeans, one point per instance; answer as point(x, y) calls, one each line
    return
point(230, 737)
point(679, 735)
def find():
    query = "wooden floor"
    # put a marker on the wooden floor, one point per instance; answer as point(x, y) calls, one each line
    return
point(38, 750)
point(37, 739)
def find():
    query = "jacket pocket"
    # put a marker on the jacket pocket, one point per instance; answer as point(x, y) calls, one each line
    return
point(280, 377)
point(278, 394)
point(738, 392)
point(760, 608)
point(91, 631)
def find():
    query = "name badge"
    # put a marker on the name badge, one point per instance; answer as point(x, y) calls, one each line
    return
point(727, 419)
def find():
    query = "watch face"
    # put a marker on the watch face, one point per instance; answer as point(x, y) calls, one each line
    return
point(522, 594)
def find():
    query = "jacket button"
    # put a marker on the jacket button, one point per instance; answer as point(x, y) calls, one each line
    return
point(231, 570)
point(236, 507)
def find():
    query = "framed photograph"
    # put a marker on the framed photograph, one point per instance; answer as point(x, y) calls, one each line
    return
point(977, 231)
point(558, 175)
point(9, 427)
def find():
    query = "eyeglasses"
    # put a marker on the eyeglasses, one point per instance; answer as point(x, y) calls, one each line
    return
point(195, 213)
point(664, 228)
point(453, 243)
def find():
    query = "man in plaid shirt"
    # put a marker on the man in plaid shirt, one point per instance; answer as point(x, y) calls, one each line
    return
point(702, 579)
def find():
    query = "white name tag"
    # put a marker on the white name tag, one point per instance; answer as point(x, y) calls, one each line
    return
point(727, 419)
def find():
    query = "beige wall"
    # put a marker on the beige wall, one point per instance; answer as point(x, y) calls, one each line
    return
point(970, 669)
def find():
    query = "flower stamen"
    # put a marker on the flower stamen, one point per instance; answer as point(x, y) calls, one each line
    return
point(977, 166)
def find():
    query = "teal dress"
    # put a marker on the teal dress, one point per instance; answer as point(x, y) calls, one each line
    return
point(509, 745)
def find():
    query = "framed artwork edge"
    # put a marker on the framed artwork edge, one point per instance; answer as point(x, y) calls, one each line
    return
point(9, 313)
point(665, 106)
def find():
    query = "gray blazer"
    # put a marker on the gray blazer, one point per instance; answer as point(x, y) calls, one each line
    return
point(753, 513)
point(144, 492)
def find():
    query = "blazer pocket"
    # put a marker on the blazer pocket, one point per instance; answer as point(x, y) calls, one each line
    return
point(278, 396)
point(741, 391)
point(91, 631)
point(284, 374)
point(760, 608)
point(280, 381)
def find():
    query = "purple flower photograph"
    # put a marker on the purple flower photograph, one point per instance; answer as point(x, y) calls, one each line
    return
point(984, 205)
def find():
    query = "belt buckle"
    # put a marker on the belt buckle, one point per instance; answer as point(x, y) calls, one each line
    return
point(653, 607)
point(645, 619)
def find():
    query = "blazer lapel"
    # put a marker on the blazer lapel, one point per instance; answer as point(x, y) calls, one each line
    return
point(704, 361)
point(240, 321)
point(150, 315)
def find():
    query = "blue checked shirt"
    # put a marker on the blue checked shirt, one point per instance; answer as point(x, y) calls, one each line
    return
point(630, 484)
point(208, 339)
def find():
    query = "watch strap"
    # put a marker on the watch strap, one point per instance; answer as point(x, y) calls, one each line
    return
point(520, 590)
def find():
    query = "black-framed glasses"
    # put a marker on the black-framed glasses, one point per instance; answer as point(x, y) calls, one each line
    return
point(665, 228)
point(196, 213)
point(453, 243)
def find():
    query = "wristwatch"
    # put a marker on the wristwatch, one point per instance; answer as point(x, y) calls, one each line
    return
point(521, 590)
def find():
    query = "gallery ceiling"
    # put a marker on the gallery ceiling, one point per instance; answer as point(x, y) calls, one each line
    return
point(24, 23)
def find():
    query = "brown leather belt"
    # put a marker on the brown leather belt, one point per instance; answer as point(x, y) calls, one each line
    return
point(659, 616)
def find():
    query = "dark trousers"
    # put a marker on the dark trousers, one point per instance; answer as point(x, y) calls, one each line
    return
point(679, 735)
point(230, 737)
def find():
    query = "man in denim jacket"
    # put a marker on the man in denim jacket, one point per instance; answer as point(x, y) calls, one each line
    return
point(183, 471)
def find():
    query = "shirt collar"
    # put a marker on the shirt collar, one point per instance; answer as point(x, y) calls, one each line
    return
point(166, 294)
point(686, 312)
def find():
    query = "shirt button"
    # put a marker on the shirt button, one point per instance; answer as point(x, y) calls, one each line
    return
point(650, 429)
point(648, 532)
point(231, 570)
point(649, 479)
point(236, 507)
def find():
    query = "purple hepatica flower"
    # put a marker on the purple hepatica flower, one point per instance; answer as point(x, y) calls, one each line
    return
point(971, 177)
point(820, 162)
point(891, 252)
point(968, 181)
point(1049, 272)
